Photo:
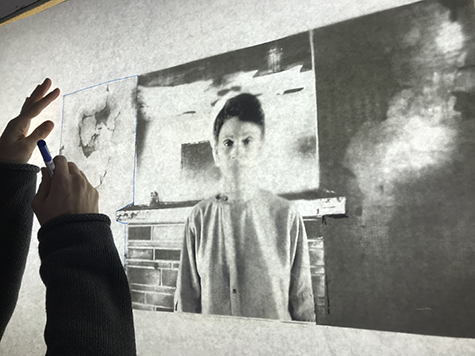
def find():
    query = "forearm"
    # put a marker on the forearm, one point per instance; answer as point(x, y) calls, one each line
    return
point(17, 188)
point(88, 301)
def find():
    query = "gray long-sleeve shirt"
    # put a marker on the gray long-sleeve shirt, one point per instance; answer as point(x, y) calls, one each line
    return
point(246, 259)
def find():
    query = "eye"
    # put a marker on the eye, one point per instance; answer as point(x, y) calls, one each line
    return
point(228, 143)
point(247, 141)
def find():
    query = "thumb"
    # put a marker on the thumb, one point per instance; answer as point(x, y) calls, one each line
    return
point(43, 190)
point(40, 133)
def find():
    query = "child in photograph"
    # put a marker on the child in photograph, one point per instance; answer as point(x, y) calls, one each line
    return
point(245, 250)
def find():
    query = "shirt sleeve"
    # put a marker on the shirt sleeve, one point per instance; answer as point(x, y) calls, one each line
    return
point(88, 303)
point(301, 295)
point(17, 189)
point(188, 291)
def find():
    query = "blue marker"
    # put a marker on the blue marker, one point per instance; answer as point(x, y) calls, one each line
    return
point(46, 156)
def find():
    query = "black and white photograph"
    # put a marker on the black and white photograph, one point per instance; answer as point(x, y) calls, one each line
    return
point(233, 131)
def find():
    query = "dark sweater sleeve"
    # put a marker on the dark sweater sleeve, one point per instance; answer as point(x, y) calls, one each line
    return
point(88, 302)
point(17, 189)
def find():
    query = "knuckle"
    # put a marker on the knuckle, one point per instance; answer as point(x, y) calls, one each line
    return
point(12, 124)
point(59, 159)
point(78, 182)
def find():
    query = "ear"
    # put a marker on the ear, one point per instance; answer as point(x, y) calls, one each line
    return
point(263, 141)
point(214, 150)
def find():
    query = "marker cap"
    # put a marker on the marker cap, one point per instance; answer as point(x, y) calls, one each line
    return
point(44, 150)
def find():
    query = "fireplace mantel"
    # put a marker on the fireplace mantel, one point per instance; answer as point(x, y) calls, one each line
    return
point(177, 212)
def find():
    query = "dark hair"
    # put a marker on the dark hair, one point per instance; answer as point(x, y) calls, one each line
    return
point(245, 107)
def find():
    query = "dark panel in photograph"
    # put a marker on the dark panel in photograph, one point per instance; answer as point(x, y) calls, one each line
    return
point(396, 125)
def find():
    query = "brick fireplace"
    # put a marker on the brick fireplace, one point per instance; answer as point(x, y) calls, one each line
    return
point(154, 239)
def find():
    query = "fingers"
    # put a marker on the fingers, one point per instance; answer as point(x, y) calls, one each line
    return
point(61, 166)
point(67, 192)
point(22, 122)
point(25, 104)
point(73, 169)
point(78, 175)
point(35, 95)
point(38, 93)
point(34, 108)
point(84, 176)
point(89, 183)
point(40, 133)
point(41, 90)
point(28, 100)
point(37, 101)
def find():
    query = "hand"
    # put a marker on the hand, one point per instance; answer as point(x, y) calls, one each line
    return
point(67, 192)
point(15, 146)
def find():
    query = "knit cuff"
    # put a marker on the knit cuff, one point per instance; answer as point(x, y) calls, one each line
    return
point(72, 218)
point(67, 231)
point(19, 167)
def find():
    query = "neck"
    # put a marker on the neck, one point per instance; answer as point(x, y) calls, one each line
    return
point(239, 189)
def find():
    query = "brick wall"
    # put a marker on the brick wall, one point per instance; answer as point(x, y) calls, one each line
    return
point(153, 260)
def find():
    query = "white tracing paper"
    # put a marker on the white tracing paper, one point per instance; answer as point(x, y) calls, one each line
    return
point(98, 134)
